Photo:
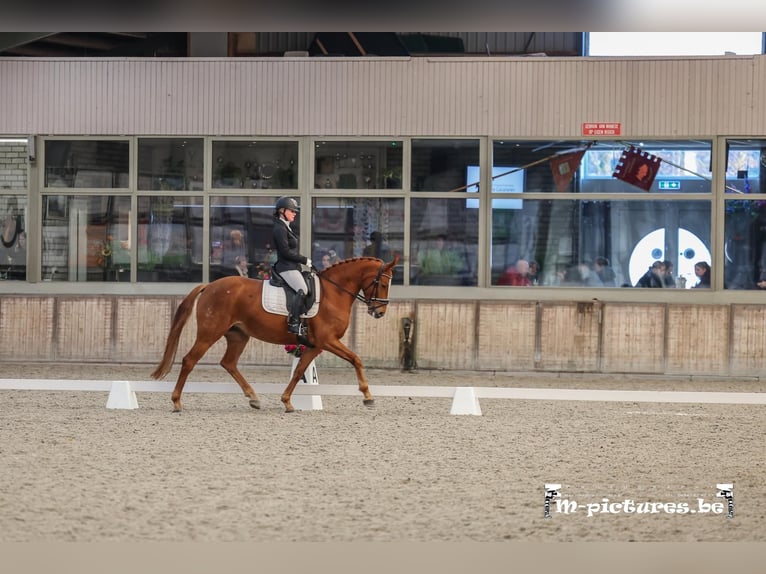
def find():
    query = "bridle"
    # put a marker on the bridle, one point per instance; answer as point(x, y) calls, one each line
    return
point(373, 302)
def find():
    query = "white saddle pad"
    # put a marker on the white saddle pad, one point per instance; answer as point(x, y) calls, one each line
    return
point(274, 299)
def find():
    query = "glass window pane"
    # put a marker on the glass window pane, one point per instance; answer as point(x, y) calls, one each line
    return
point(745, 244)
point(358, 165)
point(443, 165)
point(170, 164)
point(100, 164)
point(170, 238)
point(240, 236)
point(445, 242)
point(349, 227)
point(599, 243)
point(13, 224)
point(255, 164)
point(744, 159)
point(86, 238)
point(14, 163)
point(589, 167)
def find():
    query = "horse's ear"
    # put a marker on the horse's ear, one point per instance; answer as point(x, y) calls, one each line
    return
point(394, 262)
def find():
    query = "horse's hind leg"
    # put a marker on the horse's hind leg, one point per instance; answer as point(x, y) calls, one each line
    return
point(190, 360)
point(236, 341)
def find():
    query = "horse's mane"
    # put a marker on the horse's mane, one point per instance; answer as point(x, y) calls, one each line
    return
point(347, 261)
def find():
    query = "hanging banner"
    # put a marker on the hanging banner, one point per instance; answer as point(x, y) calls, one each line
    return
point(564, 167)
point(637, 168)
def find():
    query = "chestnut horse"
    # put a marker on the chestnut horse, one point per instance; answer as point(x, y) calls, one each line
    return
point(232, 307)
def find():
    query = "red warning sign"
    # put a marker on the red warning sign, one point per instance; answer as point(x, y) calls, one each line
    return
point(602, 129)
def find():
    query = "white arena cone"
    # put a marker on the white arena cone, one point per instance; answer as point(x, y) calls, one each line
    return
point(465, 402)
point(310, 377)
point(121, 396)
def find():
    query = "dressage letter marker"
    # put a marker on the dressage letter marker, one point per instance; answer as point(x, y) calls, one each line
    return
point(310, 377)
point(465, 402)
point(121, 396)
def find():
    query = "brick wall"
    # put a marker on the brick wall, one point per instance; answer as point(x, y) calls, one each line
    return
point(13, 165)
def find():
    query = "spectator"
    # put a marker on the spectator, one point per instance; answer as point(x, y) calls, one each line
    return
point(702, 271)
point(517, 275)
point(604, 271)
point(439, 260)
point(654, 277)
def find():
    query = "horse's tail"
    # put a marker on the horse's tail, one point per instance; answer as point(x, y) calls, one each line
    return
point(179, 320)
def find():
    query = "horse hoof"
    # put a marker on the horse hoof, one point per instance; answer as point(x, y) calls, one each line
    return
point(255, 403)
point(369, 402)
point(177, 410)
point(289, 409)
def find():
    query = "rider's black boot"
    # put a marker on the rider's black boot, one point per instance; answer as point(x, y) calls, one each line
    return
point(294, 324)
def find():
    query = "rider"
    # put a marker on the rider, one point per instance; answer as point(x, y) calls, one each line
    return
point(289, 260)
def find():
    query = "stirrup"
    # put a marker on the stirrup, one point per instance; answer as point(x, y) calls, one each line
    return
point(297, 328)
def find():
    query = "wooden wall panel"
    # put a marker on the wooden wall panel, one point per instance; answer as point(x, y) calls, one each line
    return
point(569, 337)
point(422, 96)
point(513, 336)
point(141, 328)
point(748, 340)
point(26, 328)
point(84, 329)
point(633, 339)
point(698, 339)
point(507, 336)
point(446, 335)
point(377, 341)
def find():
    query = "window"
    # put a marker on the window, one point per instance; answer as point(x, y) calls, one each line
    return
point(441, 165)
point(582, 226)
point(86, 164)
point(745, 215)
point(674, 43)
point(86, 238)
point(358, 165)
point(13, 250)
point(346, 227)
point(241, 228)
point(170, 164)
point(255, 164)
point(445, 240)
point(169, 246)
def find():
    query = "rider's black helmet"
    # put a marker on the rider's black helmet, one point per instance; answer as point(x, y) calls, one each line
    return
point(286, 202)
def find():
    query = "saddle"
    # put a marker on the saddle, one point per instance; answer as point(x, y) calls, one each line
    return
point(278, 296)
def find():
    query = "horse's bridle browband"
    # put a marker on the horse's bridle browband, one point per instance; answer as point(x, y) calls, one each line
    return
point(378, 302)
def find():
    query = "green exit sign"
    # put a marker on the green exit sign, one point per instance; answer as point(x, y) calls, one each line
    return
point(670, 184)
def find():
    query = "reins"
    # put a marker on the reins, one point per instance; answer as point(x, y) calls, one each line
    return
point(369, 301)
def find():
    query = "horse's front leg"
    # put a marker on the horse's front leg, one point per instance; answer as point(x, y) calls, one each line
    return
point(300, 368)
point(347, 354)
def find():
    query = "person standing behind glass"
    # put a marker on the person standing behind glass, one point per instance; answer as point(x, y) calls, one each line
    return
point(289, 260)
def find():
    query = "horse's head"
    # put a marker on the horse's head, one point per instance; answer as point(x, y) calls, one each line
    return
point(366, 274)
point(375, 286)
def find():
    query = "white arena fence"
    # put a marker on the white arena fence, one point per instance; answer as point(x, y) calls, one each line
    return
point(465, 400)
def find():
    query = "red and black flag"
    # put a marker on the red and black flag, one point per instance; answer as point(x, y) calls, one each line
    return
point(564, 167)
point(637, 168)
